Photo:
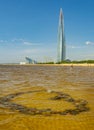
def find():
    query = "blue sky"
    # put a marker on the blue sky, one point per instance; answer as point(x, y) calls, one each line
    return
point(29, 28)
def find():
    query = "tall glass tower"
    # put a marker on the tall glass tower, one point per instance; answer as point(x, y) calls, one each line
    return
point(61, 39)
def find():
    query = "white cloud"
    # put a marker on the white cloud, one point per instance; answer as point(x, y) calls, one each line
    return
point(75, 47)
point(24, 42)
point(17, 40)
point(27, 43)
point(3, 41)
point(89, 43)
point(20, 41)
point(30, 43)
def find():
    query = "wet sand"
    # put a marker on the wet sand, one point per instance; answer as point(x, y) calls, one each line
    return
point(35, 87)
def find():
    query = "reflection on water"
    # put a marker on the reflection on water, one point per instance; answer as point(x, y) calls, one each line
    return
point(77, 81)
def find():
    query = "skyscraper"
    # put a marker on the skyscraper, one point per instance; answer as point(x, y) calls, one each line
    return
point(61, 39)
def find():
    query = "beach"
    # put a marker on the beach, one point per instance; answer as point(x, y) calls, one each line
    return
point(71, 64)
point(35, 97)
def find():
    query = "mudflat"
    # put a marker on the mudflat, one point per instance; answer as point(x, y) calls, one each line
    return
point(46, 97)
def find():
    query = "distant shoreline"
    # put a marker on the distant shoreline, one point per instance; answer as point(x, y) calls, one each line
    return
point(71, 64)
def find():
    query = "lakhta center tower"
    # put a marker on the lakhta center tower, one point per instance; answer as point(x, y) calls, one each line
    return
point(61, 39)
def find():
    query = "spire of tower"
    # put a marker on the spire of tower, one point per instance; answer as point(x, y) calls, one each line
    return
point(61, 13)
point(61, 16)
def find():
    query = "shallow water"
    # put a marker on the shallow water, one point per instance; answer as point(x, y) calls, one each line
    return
point(76, 81)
